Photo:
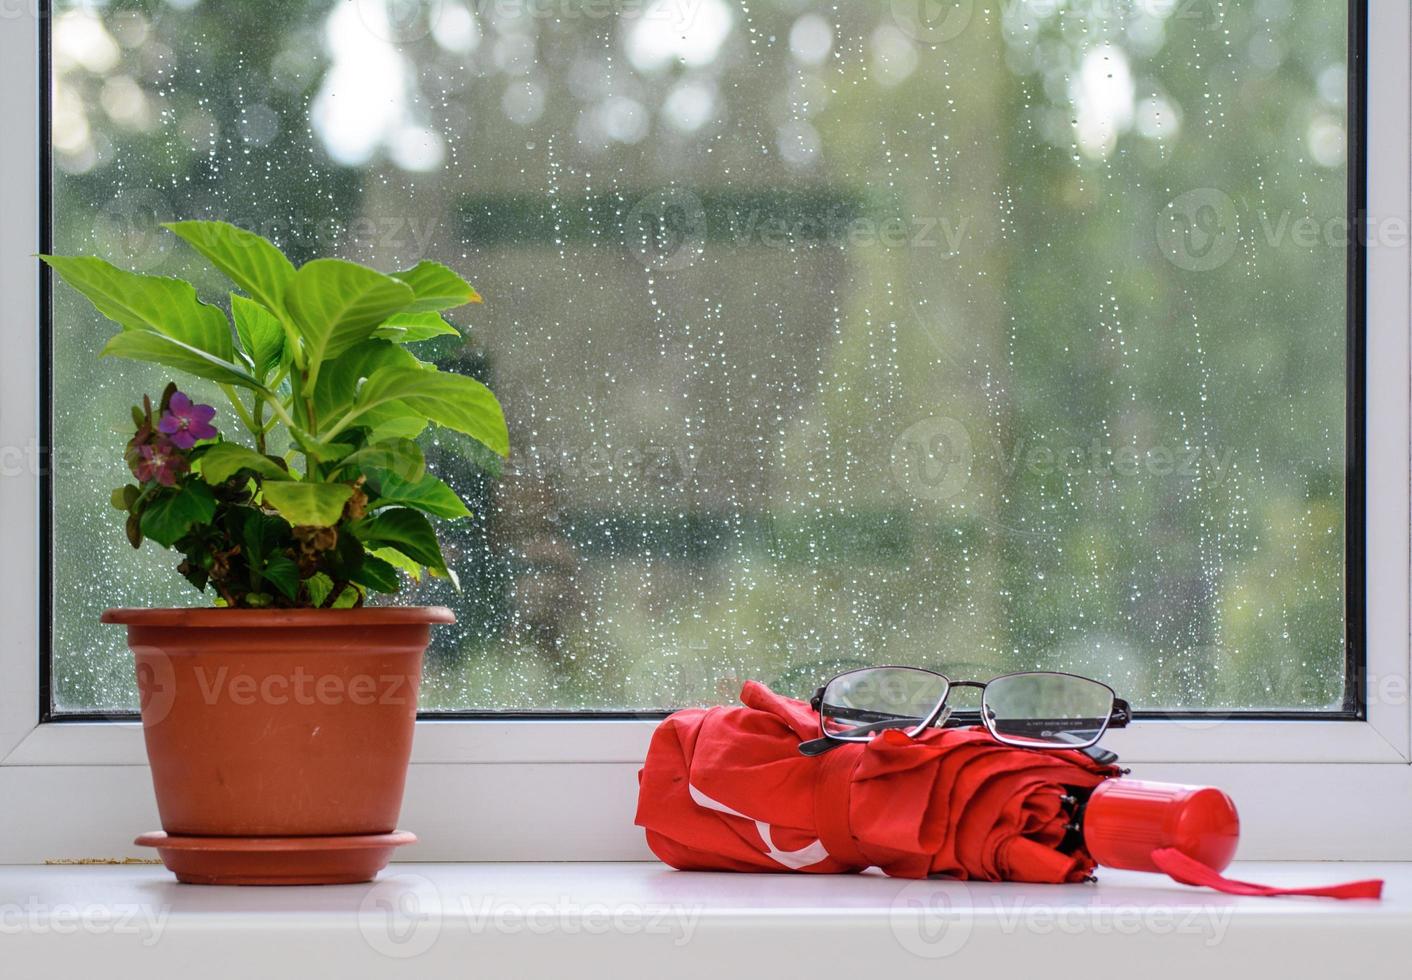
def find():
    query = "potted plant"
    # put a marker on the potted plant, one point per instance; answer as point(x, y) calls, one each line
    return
point(279, 723)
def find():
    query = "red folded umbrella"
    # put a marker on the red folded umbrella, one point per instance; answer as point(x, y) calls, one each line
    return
point(726, 789)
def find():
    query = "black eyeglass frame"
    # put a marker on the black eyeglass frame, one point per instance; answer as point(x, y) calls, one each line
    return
point(1118, 715)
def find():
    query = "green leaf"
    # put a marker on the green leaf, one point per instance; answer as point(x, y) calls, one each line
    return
point(402, 457)
point(378, 575)
point(322, 450)
point(148, 303)
point(260, 332)
point(405, 530)
point(319, 585)
point(225, 459)
point(409, 328)
point(170, 516)
point(132, 527)
point(336, 304)
point(195, 574)
point(398, 560)
point(247, 260)
point(467, 449)
point(408, 426)
point(449, 574)
point(261, 535)
point(436, 288)
point(344, 375)
point(283, 573)
point(345, 558)
point(429, 495)
point(340, 379)
point(124, 497)
point(156, 348)
point(452, 400)
point(348, 598)
point(308, 504)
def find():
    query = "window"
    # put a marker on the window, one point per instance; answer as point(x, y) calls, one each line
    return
point(824, 339)
point(977, 337)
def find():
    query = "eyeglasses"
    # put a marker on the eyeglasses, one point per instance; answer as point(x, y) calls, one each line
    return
point(1031, 710)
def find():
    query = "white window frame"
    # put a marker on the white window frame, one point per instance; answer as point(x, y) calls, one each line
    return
point(565, 790)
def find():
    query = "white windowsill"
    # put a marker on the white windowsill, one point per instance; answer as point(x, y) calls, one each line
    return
point(643, 920)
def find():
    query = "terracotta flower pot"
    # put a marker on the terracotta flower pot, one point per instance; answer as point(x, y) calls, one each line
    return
point(277, 723)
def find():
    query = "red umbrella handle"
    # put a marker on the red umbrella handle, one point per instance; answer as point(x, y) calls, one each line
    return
point(1189, 833)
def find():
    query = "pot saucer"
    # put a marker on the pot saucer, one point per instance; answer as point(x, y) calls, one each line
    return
point(338, 860)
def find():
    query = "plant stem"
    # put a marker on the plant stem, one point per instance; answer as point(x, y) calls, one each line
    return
point(279, 378)
point(296, 397)
point(249, 423)
point(342, 423)
point(291, 339)
point(278, 408)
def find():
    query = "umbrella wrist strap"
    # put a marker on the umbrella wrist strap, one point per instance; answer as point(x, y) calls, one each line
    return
point(831, 797)
point(1189, 871)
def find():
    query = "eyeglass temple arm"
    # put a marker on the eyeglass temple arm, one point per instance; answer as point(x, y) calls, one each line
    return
point(1122, 714)
point(818, 746)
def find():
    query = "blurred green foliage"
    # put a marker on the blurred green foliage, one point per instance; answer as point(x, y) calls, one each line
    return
point(1082, 408)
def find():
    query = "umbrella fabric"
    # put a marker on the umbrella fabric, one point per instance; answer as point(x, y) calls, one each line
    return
point(726, 789)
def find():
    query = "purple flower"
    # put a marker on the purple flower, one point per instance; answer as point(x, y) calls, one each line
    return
point(185, 423)
point(160, 461)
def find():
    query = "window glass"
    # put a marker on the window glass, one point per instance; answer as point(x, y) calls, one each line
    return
point(974, 336)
